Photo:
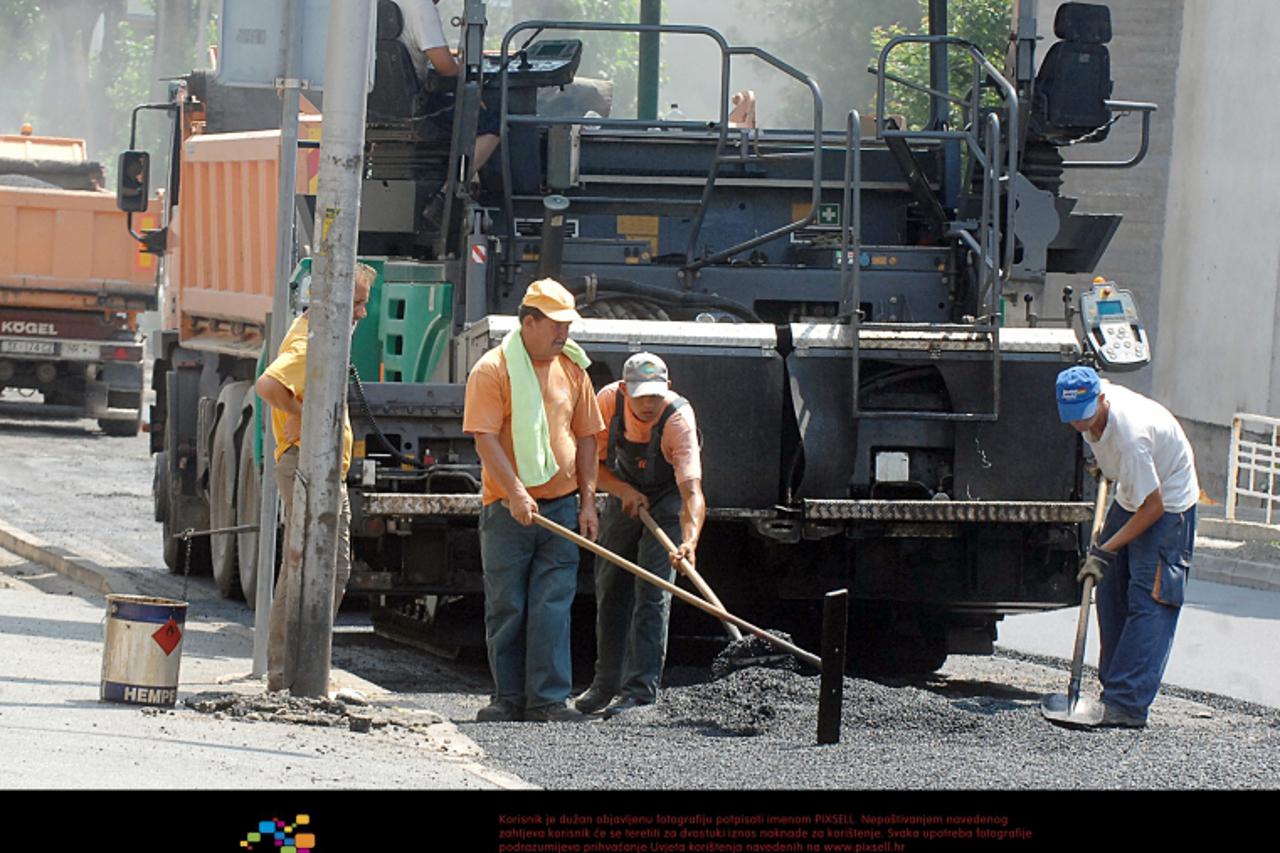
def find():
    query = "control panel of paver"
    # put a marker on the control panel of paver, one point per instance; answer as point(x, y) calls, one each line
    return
point(1113, 330)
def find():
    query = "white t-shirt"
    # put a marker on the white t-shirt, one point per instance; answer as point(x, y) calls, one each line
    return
point(422, 31)
point(1143, 448)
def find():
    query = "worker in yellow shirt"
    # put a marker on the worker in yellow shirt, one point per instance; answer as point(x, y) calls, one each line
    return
point(281, 387)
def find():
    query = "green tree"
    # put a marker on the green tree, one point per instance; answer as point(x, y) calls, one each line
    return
point(78, 67)
point(985, 23)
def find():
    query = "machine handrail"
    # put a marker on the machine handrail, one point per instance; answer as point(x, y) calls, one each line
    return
point(816, 195)
point(720, 127)
point(1010, 100)
point(850, 271)
point(1123, 108)
point(504, 151)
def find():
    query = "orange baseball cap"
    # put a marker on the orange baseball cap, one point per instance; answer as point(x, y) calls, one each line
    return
point(553, 299)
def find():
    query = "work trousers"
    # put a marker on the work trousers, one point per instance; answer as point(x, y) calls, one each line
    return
point(632, 614)
point(530, 578)
point(1139, 600)
point(282, 603)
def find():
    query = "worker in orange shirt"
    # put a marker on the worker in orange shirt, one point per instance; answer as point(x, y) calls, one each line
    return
point(533, 413)
point(652, 458)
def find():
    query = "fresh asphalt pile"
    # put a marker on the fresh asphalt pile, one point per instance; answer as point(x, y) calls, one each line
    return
point(755, 728)
point(751, 649)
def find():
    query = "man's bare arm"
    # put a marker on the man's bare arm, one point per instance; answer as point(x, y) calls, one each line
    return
point(278, 396)
point(587, 464)
point(631, 497)
point(495, 461)
point(442, 60)
point(1148, 514)
point(693, 512)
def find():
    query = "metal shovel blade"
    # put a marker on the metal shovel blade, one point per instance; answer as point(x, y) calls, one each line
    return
point(1070, 708)
point(1058, 708)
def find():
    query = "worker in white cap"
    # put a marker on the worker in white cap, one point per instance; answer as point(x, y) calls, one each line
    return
point(651, 457)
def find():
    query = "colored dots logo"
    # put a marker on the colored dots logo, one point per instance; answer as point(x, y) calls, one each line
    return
point(276, 836)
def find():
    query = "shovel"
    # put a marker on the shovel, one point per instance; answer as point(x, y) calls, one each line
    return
point(689, 571)
point(1071, 710)
point(687, 597)
point(834, 627)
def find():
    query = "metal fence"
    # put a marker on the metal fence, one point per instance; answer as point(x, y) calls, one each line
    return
point(1253, 470)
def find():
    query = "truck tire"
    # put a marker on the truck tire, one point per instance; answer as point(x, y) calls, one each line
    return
point(160, 487)
point(178, 518)
point(223, 549)
point(248, 510)
point(185, 510)
point(122, 429)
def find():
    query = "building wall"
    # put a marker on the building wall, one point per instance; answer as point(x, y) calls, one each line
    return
point(1218, 352)
point(1221, 252)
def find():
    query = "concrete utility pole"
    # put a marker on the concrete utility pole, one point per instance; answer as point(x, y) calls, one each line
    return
point(291, 39)
point(313, 527)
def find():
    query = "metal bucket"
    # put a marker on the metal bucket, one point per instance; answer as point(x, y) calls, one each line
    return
point(142, 649)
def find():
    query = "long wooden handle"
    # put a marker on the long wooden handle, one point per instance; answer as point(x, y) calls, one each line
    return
point(1100, 508)
point(689, 571)
point(1086, 597)
point(687, 597)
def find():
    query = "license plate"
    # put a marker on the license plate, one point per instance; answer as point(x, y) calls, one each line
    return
point(79, 351)
point(28, 347)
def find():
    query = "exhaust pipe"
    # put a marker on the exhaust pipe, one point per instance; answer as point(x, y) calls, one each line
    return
point(551, 255)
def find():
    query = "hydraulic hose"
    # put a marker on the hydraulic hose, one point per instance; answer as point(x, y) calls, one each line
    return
point(579, 286)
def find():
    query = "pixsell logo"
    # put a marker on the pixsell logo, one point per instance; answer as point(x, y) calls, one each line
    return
point(276, 836)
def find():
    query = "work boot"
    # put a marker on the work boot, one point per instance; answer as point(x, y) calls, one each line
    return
point(554, 714)
point(498, 711)
point(623, 704)
point(593, 700)
point(1115, 718)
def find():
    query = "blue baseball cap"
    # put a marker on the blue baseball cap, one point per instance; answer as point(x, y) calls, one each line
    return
point(1078, 389)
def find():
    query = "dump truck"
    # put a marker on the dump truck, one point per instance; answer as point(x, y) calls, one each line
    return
point(72, 284)
point(858, 317)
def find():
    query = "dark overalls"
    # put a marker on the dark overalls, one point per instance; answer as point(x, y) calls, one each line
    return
point(631, 614)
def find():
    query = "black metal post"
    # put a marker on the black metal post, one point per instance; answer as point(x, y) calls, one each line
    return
point(835, 628)
point(551, 256)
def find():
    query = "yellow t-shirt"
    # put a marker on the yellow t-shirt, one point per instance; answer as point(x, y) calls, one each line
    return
point(290, 370)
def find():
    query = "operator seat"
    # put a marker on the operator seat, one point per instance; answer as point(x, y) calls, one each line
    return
point(396, 95)
point(1074, 79)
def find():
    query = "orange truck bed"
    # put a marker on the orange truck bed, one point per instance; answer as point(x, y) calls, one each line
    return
point(72, 282)
point(68, 249)
point(224, 233)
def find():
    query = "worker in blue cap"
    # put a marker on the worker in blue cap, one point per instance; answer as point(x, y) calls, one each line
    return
point(1142, 557)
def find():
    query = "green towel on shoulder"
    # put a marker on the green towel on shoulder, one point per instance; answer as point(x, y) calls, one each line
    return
point(530, 435)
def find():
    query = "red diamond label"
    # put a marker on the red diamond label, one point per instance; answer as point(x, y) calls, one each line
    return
point(167, 636)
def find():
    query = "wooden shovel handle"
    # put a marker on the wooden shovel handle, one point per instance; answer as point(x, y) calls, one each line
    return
point(687, 597)
point(688, 570)
point(1086, 598)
